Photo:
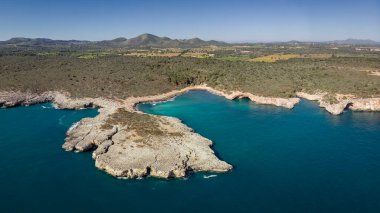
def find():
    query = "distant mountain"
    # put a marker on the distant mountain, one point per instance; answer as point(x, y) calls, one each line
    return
point(144, 41)
point(117, 42)
point(351, 41)
point(141, 41)
point(41, 42)
point(149, 40)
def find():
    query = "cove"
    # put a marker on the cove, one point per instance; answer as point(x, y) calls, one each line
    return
point(300, 160)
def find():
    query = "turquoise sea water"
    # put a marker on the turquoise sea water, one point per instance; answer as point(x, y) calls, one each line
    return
point(300, 160)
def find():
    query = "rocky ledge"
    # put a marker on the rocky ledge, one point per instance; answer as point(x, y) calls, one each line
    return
point(341, 102)
point(11, 99)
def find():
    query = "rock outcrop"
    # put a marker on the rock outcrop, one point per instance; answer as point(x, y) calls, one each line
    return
point(281, 102)
point(343, 102)
point(11, 99)
point(164, 148)
point(366, 104)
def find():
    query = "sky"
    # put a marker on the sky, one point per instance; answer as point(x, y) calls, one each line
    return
point(224, 20)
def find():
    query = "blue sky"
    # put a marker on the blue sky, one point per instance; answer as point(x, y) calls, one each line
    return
point(233, 20)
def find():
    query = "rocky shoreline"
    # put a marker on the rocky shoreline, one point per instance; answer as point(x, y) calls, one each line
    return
point(128, 143)
point(289, 103)
point(342, 102)
point(168, 150)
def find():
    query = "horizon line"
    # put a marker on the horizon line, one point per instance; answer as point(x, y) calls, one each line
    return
point(230, 41)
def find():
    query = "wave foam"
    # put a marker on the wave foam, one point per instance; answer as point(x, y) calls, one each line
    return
point(209, 176)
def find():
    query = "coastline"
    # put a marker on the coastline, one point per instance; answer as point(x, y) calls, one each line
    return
point(289, 103)
point(342, 102)
point(62, 100)
point(168, 149)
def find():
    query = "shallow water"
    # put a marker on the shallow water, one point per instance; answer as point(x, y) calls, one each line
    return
point(300, 160)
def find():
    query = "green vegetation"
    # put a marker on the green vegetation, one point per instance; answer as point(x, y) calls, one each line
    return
point(114, 73)
point(232, 58)
point(91, 55)
point(46, 53)
point(284, 57)
point(330, 98)
point(142, 124)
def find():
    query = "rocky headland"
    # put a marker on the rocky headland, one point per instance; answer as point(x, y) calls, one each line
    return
point(127, 143)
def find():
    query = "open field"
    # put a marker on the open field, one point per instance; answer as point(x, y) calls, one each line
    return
point(91, 55)
point(148, 54)
point(283, 57)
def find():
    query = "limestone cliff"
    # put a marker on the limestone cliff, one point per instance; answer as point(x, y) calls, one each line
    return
point(342, 102)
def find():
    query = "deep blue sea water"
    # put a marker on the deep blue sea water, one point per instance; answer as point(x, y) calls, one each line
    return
point(300, 160)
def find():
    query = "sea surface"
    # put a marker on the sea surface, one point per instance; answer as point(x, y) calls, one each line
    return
point(300, 160)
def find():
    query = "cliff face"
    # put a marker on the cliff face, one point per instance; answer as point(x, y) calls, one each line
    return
point(11, 99)
point(281, 102)
point(343, 102)
point(365, 104)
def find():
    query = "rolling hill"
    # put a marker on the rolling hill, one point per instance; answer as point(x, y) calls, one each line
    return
point(141, 41)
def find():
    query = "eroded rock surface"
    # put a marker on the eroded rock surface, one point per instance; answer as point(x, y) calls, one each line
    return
point(131, 144)
point(342, 102)
point(11, 99)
